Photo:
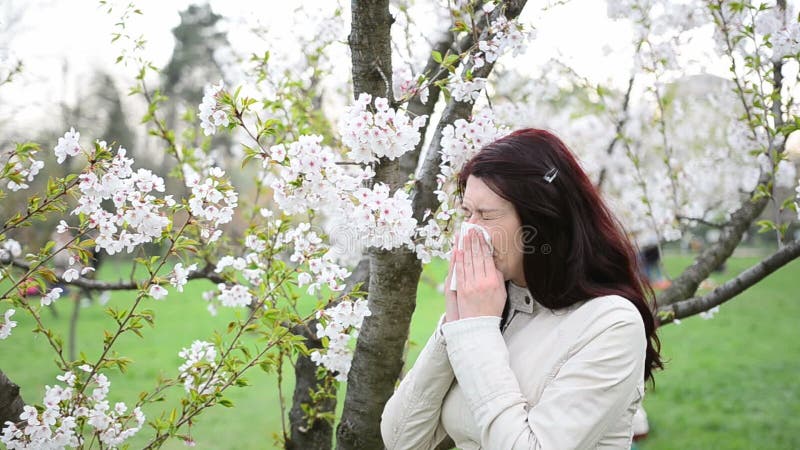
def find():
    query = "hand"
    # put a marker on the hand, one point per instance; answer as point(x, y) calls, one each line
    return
point(450, 296)
point(481, 290)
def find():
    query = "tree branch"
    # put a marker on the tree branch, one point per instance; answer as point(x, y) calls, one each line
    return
point(623, 119)
point(409, 160)
point(11, 402)
point(320, 435)
point(206, 272)
point(731, 288)
point(423, 197)
point(394, 274)
point(686, 284)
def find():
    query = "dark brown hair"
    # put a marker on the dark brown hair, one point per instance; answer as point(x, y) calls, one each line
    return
point(578, 250)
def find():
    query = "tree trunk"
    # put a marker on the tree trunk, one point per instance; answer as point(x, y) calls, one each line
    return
point(11, 402)
point(394, 274)
point(320, 435)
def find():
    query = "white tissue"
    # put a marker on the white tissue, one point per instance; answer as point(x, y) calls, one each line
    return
point(465, 227)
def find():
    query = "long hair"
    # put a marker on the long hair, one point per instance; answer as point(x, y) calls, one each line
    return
point(575, 249)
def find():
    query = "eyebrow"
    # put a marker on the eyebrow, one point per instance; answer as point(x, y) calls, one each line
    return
point(480, 210)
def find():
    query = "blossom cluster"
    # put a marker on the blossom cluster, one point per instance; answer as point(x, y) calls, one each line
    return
point(460, 142)
point(465, 90)
point(75, 270)
point(405, 85)
point(308, 248)
point(505, 35)
point(771, 32)
point(200, 372)
point(312, 180)
point(65, 408)
point(382, 220)
point(180, 275)
point(709, 314)
point(211, 114)
point(234, 295)
point(212, 202)
point(308, 176)
point(339, 325)
point(384, 133)
point(25, 167)
point(67, 145)
point(783, 30)
point(136, 217)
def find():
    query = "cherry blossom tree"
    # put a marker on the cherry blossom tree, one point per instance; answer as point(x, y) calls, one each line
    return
point(348, 204)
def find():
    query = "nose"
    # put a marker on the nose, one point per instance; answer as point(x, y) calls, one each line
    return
point(474, 219)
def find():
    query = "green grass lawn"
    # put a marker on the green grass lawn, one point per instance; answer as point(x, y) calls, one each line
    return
point(730, 382)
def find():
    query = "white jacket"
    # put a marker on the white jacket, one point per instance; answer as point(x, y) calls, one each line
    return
point(553, 379)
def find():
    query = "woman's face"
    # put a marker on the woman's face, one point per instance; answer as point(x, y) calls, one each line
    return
point(483, 207)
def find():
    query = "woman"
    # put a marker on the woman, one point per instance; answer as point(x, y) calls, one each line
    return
point(549, 338)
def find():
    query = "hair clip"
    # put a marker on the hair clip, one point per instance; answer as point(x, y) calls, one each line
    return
point(550, 175)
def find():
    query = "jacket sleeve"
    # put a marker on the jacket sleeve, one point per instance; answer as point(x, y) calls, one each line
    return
point(411, 417)
point(593, 387)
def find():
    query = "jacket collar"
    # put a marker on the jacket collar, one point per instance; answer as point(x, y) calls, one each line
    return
point(520, 298)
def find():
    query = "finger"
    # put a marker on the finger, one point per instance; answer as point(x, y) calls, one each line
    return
point(486, 255)
point(451, 270)
point(477, 255)
point(452, 259)
point(460, 270)
point(467, 256)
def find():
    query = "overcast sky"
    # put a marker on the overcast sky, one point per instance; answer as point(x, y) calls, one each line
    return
point(57, 35)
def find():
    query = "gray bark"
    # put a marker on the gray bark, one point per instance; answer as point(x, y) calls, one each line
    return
point(320, 435)
point(11, 402)
point(206, 272)
point(734, 287)
point(408, 162)
point(394, 274)
point(685, 285)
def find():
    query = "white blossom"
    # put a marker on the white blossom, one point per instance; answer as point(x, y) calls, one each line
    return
point(157, 292)
point(70, 275)
point(27, 168)
point(405, 85)
point(56, 426)
point(51, 296)
point(180, 275)
point(706, 315)
point(385, 133)
point(504, 35)
point(10, 249)
point(7, 324)
point(211, 116)
point(339, 324)
point(200, 371)
point(135, 218)
point(465, 90)
point(213, 202)
point(797, 203)
point(233, 296)
point(67, 145)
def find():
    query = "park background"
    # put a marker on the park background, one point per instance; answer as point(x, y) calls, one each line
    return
point(730, 380)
